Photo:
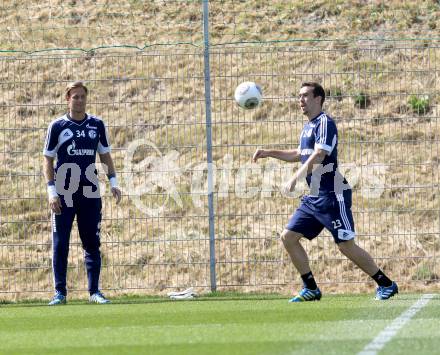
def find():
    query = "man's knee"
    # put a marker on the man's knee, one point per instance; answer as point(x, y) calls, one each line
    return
point(348, 247)
point(290, 237)
point(91, 245)
point(61, 246)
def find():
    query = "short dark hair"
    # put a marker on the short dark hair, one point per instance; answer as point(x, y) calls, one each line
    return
point(318, 90)
point(75, 84)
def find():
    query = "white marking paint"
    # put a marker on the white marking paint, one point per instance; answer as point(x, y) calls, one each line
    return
point(386, 335)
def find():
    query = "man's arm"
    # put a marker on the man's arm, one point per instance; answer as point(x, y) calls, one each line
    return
point(49, 174)
point(48, 171)
point(290, 156)
point(107, 160)
point(314, 160)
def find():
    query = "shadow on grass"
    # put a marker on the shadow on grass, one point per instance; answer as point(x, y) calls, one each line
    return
point(214, 296)
point(135, 299)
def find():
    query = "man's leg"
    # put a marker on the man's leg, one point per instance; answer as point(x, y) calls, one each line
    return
point(359, 256)
point(341, 224)
point(302, 224)
point(61, 228)
point(310, 291)
point(89, 224)
point(291, 241)
point(365, 262)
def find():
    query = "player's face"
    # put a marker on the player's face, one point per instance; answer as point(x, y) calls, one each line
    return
point(77, 100)
point(310, 105)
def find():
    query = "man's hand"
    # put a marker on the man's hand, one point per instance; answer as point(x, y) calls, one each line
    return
point(55, 205)
point(289, 186)
point(259, 153)
point(117, 194)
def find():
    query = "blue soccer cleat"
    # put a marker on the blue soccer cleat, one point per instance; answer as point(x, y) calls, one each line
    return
point(383, 293)
point(99, 298)
point(307, 295)
point(57, 299)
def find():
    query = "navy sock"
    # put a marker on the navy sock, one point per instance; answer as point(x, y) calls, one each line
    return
point(309, 281)
point(381, 279)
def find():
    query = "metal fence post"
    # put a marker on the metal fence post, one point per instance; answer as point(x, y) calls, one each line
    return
point(209, 145)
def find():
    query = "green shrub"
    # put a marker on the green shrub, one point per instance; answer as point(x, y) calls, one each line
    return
point(419, 105)
point(335, 93)
point(362, 100)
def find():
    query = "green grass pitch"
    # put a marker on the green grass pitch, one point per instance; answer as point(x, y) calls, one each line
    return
point(219, 324)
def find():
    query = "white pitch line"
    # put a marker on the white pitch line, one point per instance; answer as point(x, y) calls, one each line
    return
point(386, 335)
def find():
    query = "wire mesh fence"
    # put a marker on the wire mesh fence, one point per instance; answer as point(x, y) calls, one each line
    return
point(144, 65)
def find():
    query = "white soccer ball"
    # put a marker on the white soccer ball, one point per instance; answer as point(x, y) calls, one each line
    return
point(248, 95)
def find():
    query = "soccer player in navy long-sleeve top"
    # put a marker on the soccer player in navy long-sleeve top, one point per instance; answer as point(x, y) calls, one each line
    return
point(74, 139)
point(329, 202)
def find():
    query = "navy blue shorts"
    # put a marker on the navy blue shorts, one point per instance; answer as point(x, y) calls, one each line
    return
point(330, 211)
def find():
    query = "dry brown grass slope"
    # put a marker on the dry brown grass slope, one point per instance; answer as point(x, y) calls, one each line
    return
point(370, 55)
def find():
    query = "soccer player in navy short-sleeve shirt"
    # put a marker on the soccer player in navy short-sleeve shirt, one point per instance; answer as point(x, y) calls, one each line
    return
point(74, 139)
point(329, 203)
